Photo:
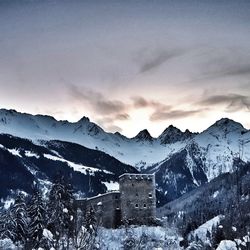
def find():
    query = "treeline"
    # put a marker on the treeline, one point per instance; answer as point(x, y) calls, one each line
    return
point(228, 195)
point(52, 222)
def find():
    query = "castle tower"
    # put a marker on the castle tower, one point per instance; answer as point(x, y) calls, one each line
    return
point(138, 201)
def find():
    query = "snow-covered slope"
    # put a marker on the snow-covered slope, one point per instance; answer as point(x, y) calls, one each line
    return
point(182, 159)
point(22, 163)
point(148, 150)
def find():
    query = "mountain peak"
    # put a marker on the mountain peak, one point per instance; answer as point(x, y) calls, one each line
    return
point(143, 135)
point(228, 124)
point(120, 135)
point(172, 134)
point(84, 119)
point(171, 129)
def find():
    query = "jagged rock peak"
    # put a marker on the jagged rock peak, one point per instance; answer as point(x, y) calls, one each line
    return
point(143, 135)
point(84, 119)
point(172, 134)
point(170, 129)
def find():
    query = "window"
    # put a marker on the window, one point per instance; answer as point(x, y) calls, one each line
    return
point(150, 195)
point(136, 194)
point(132, 184)
point(144, 205)
point(136, 205)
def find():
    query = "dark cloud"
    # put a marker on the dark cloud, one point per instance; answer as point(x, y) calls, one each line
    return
point(224, 70)
point(173, 114)
point(114, 128)
point(98, 102)
point(224, 64)
point(156, 58)
point(233, 102)
point(161, 111)
point(109, 111)
point(140, 102)
point(122, 117)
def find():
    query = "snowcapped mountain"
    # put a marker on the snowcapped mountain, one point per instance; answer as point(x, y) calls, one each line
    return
point(148, 150)
point(173, 134)
point(180, 160)
point(143, 136)
point(23, 163)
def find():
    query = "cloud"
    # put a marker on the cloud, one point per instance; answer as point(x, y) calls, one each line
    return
point(225, 64)
point(140, 102)
point(155, 59)
point(233, 102)
point(114, 128)
point(161, 111)
point(105, 120)
point(173, 114)
point(108, 112)
point(122, 117)
point(98, 102)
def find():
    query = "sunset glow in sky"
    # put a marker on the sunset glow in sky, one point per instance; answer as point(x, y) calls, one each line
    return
point(127, 65)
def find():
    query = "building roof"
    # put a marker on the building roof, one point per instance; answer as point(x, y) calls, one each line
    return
point(136, 175)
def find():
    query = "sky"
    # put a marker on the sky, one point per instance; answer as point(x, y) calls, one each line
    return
point(127, 65)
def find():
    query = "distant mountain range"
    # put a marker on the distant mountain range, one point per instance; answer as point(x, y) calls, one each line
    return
point(180, 160)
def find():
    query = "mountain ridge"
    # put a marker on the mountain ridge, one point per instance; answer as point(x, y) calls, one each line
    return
point(190, 159)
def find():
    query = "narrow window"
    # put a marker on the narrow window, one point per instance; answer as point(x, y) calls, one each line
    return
point(144, 205)
point(136, 206)
point(150, 195)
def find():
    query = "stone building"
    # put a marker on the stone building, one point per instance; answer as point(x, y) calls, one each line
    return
point(138, 201)
point(134, 203)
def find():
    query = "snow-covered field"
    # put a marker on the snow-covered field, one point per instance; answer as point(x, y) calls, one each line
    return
point(141, 237)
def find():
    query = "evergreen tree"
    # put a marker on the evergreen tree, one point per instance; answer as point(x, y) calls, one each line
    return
point(20, 220)
point(36, 213)
point(61, 215)
point(7, 225)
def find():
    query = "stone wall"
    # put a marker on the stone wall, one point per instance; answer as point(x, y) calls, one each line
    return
point(138, 201)
point(134, 203)
point(107, 208)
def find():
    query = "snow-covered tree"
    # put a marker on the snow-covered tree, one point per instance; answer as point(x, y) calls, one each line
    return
point(20, 219)
point(60, 212)
point(36, 212)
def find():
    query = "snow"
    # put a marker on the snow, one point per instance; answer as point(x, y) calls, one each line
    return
point(15, 152)
point(7, 244)
point(218, 145)
point(76, 167)
point(154, 238)
point(87, 134)
point(201, 231)
point(47, 234)
point(7, 203)
point(111, 186)
point(31, 154)
point(215, 194)
point(227, 245)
